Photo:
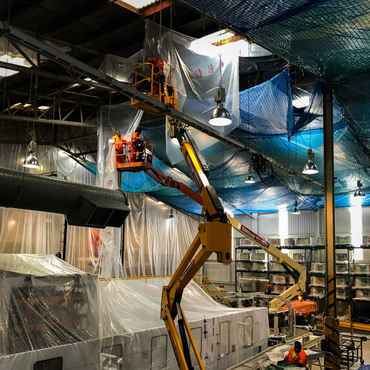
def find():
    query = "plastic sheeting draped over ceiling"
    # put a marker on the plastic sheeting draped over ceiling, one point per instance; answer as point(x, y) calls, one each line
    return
point(265, 128)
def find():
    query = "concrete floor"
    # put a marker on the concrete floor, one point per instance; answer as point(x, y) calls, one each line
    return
point(366, 354)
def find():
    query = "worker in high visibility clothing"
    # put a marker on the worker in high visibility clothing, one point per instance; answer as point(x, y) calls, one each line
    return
point(120, 146)
point(297, 356)
point(135, 145)
point(158, 74)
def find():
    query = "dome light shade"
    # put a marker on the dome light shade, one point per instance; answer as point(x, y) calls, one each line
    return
point(359, 192)
point(220, 116)
point(295, 209)
point(310, 168)
point(31, 160)
point(250, 180)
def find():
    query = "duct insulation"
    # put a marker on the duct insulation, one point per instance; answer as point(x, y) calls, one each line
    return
point(83, 205)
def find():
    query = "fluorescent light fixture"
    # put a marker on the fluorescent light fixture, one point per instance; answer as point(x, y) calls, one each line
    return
point(302, 102)
point(283, 224)
point(356, 231)
point(43, 107)
point(310, 168)
point(26, 105)
point(16, 105)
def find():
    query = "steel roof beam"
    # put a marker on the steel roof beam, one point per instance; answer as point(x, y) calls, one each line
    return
point(125, 89)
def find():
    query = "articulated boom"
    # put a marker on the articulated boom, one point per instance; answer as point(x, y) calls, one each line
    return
point(214, 235)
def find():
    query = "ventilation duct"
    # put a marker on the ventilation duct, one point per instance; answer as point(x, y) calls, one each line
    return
point(83, 205)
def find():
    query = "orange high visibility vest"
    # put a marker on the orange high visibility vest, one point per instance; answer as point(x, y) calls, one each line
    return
point(296, 358)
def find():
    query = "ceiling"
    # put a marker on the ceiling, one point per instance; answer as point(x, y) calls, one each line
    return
point(86, 30)
point(54, 104)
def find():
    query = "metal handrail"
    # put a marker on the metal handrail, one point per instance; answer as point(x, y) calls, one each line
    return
point(206, 288)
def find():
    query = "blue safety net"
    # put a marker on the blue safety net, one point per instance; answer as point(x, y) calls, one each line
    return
point(272, 126)
point(267, 109)
point(245, 15)
point(330, 38)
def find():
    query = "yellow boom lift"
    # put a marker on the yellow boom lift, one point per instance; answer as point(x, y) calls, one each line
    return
point(214, 235)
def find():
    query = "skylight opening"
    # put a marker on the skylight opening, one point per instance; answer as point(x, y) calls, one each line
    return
point(135, 5)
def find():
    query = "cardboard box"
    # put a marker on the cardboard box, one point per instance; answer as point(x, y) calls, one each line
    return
point(246, 242)
point(303, 241)
point(278, 279)
point(298, 256)
point(317, 280)
point(362, 282)
point(363, 293)
point(278, 289)
point(318, 267)
point(341, 256)
point(318, 291)
point(244, 256)
point(258, 266)
point(321, 240)
point(341, 268)
point(342, 240)
point(258, 256)
point(362, 268)
point(341, 282)
point(275, 242)
point(289, 241)
point(342, 293)
point(276, 266)
point(366, 240)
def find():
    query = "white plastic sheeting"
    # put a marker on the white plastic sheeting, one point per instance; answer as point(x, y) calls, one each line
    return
point(44, 303)
point(109, 259)
point(112, 118)
point(25, 231)
point(195, 68)
point(155, 243)
point(232, 334)
point(51, 310)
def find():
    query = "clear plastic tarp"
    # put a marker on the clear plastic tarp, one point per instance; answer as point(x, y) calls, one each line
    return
point(154, 242)
point(45, 302)
point(52, 311)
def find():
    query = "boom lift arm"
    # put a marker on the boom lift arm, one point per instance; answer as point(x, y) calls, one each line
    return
point(214, 235)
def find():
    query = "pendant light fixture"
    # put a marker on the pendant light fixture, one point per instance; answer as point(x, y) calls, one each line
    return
point(250, 180)
point(359, 192)
point(296, 209)
point(310, 167)
point(171, 216)
point(220, 116)
point(31, 160)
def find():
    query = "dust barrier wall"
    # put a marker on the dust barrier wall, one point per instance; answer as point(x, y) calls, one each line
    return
point(55, 316)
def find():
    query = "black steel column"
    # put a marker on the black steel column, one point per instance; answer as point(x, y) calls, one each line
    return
point(331, 323)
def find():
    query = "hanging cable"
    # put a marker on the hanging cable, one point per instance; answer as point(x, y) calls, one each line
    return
point(263, 168)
